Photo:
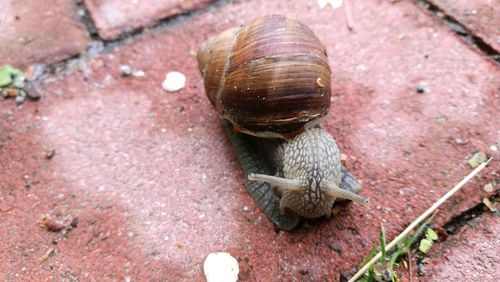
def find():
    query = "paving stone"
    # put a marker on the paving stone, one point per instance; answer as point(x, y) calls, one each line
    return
point(470, 255)
point(115, 17)
point(154, 181)
point(481, 17)
point(39, 31)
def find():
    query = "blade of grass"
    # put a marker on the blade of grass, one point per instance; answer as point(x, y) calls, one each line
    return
point(407, 243)
point(422, 217)
point(382, 243)
point(409, 265)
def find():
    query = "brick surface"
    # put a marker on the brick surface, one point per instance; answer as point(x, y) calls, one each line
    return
point(470, 255)
point(481, 17)
point(155, 184)
point(34, 31)
point(115, 17)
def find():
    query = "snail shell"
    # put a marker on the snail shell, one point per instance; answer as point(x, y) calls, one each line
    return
point(269, 78)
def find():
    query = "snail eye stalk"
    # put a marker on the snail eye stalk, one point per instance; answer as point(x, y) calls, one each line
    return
point(283, 183)
point(348, 195)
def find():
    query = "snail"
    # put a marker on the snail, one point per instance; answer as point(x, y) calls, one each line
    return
point(269, 81)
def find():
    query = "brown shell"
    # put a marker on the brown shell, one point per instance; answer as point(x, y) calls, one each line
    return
point(269, 78)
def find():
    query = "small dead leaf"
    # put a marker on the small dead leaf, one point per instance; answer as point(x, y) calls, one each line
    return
point(46, 255)
point(490, 205)
point(442, 234)
point(51, 224)
point(49, 154)
point(343, 159)
point(11, 92)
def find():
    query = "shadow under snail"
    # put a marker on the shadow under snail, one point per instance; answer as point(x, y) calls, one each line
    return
point(269, 81)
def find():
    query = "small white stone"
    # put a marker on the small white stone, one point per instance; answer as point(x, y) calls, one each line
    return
point(174, 81)
point(332, 3)
point(488, 187)
point(138, 73)
point(221, 267)
point(125, 70)
point(493, 148)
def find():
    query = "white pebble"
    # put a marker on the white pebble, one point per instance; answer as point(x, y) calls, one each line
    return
point(488, 187)
point(493, 148)
point(125, 70)
point(333, 3)
point(174, 81)
point(221, 267)
point(138, 73)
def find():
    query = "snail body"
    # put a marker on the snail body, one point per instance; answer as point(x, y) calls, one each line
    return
point(270, 81)
point(308, 175)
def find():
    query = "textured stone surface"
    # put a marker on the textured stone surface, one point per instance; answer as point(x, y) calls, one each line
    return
point(481, 17)
point(115, 17)
point(34, 31)
point(470, 255)
point(156, 187)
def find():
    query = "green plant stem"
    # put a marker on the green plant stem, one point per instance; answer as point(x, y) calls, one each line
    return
point(407, 244)
point(382, 243)
point(417, 221)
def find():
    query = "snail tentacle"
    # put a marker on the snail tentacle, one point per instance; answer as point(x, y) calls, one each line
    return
point(336, 192)
point(286, 184)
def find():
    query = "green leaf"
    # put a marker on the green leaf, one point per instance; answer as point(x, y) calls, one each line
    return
point(407, 243)
point(425, 245)
point(431, 235)
point(477, 159)
point(7, 74)
point(5, 78)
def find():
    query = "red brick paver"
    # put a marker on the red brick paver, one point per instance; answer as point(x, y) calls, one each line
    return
point(479, 16)
point(34, 31)
point(115, 17)
point(470, 255)
point(155, 184)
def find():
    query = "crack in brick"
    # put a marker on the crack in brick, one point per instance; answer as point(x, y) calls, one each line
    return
point(458, 222)
point(86, 20)
point(98, 45)
point(160, 24)
point(461, 30)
